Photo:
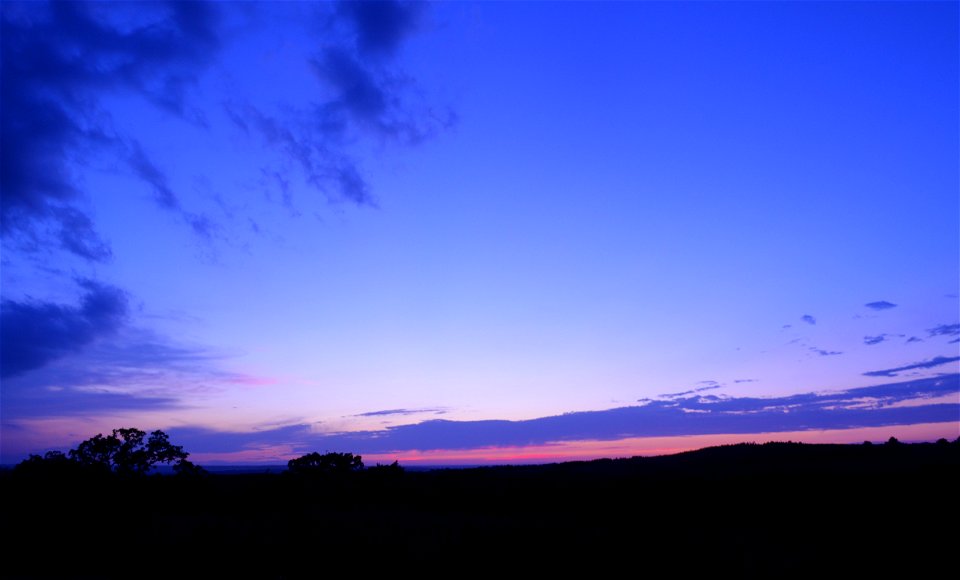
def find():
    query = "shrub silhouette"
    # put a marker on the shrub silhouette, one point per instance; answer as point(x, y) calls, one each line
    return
point(52, 464)
point(389, 468)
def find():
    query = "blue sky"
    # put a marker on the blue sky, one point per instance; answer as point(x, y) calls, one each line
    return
point(281, 226)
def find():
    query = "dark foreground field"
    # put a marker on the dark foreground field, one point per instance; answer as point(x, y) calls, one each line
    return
point(753, 510)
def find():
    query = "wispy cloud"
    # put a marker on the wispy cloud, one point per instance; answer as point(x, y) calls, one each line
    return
point(63, 66)
point(131, 369)
point(711, 385)
point(871, 340)
point(945, 330)
point(164, 196)
point(808, 319)
point(823, 352)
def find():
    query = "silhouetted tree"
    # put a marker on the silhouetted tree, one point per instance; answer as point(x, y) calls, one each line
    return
point(125, 451)
point(328, 463)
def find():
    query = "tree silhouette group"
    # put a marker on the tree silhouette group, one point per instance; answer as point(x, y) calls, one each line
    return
point(125, 451)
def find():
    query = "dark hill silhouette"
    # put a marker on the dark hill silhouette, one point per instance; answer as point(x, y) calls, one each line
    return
point(778, 509)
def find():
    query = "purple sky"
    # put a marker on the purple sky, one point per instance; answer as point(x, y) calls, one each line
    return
point(399, 229)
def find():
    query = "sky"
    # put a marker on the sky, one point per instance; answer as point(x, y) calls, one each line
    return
point(466, 233)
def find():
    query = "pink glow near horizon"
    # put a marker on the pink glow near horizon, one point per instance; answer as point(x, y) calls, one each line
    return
point(650, 446)
point(593, 449)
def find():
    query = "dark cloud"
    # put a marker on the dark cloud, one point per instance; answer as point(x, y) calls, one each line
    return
point(808, 319)
point(934, 362)
point(58, 60)
point(380, 27)
point(945, 330)
point(745, 380)
point(881, 305)
point(823, 352)
point(34, 333)
point(401, 412)
point(914, 339)
point(357, 92)
point(874, 406)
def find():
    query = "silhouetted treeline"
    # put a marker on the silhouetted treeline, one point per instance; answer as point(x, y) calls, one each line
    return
point(778, 509)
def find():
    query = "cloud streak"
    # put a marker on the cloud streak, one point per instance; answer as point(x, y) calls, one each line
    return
point(934, 362)
point(388, 412)
point(129, 370)
point(872, 340)
point(711, 386)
